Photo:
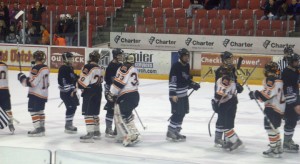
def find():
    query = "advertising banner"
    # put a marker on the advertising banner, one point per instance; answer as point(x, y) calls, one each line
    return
point(211, 61)
point(57, 61)
point(204, 43)
point(9, 54)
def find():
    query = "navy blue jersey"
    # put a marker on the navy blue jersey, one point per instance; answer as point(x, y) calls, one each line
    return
point(290, 78)
point(179, 80)
point(66, 78)
point(110, 72)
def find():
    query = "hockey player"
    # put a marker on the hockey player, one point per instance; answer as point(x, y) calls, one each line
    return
point(38, 83)
point(273, 96)
point(67, 85)
point(124, 91)
point(179, 83)
point(110, 74)
point(90, 81)
point(225, 103)
point(5, 95)
point(283, 62)
point(290, 78)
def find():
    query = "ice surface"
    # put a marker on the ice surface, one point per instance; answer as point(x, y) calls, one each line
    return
point(154, 110)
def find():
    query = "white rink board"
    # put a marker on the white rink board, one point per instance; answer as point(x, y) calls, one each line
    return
point(204, 43)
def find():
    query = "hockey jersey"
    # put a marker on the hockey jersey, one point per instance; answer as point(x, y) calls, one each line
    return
point(290, 78)
point(90, 77)
point(273, 95)
point(3, 76)
point(179, 80)
point(224, 93)
point(66, 78)
point(110, 74)
point(38, 81)
point(126, 81)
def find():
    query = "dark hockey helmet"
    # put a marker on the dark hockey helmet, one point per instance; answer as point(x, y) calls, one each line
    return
point(291, 58)
point(288, 50)
point(39, 56)
point(182, 52)
point(94, 56)
point(116, 52)
point(130, 58)
point(67, 57)
point(271, 69)
point(227, 58)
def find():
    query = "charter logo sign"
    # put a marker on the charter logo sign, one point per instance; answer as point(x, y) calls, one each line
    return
point(238, 45)
point(225, 42)
point(200, 44)
point(117, 38)
point(188, 41)
point(151, 40)
point(162, 42)
point(274, 45)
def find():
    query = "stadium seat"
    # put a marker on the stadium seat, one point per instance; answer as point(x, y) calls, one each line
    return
point(244, 32)
point(291, 25)
point(99, 3)
point(171, 22)
point(177, 3)
point(231, 32)
point(140, 20)
point(150, 21)
point(235, 14)
point(80, 2)
point(212, 14)
point(239, 24)
point(160, 30)
point(276, 25)
point(203, 23)
point(159, 22)
point(70, 2)
point(110, 11)
point(254, 4)
point(155, 3)
point(185, 4)
point(201, 14)
point(89, 3)
point(148, 12)
point(183, 30)
point(190, 23)
point(119, 3)
point(179, 13)
point(100, 10)
point(71, 10)
point(166, 4)
point(263, 24)
point(258, 13)
point(141, 29)
point(91, 9)
point(228, 24)
point(81, 10)
point(158, 12)
point(181, 22)
point(150, 29)
point(109, 3)
point(268, 32)
point(130, 29)
point(242, 4)
point(279, 33)
point(51, 8)
point(216, 24)
point(225, 13)
point(249, 24)
point(101, 21)
point(206, 31)
point(247, 14)
point(173, 30)
point(61, 10)
point(169, 12)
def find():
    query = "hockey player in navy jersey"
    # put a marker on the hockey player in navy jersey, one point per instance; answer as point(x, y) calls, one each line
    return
point(38, 83)
point(290, 78)
point(225, 103)
point(5, 103)
point(67, 85)
point(124, 92)
point(179, 83)
point(110, 74)
point(90, 81)
point(282, 63)
point(273, 96)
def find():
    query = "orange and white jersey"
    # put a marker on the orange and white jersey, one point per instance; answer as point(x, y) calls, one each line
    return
point(3, 76)
point(38, 81)
point(90, 76)
point(225, 92)
point(273, 95)
point(126, 81)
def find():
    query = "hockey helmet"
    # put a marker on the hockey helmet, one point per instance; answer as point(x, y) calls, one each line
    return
point(271, 69)
point(116, 52)
point(292, 58)
point(227, 58)
point(39, 56)
point(130, 58)
point(67, 57)
point(183, 52)
point(94, 56)
point(288, 50)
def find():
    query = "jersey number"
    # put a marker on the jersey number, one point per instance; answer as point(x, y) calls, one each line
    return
point(136, 81)
point(2, 75)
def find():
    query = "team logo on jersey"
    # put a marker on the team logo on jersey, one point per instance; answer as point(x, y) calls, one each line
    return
point(152, 39)
point(225, 42)
point(266, 44)
point(117, 38)
point(188, 41)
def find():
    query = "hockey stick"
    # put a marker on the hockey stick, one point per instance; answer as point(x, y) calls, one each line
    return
point(245, 81)
point(144, 127)
point(60, 104)
point(18, 122)
point(19, 55)
point(239, 63)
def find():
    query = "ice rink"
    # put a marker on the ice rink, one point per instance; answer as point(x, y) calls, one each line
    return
point(154, 110)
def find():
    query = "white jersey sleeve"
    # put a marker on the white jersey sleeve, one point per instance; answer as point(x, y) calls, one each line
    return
point(126, 81)
point(226, 92)
point(90, 75)
point(3, 76)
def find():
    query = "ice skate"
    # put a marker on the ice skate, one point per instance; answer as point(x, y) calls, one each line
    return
point(131, 140)
point(174, 137)
point(97, 135)
point(11, 127)
point(109, 133)
point(38, 132)
point(236, 145)
point(219, 143)
point(70, 129)
point(290, 146)
point(272, 152)
point(88, 138)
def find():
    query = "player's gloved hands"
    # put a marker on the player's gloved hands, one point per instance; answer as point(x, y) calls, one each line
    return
point(239, 88)
point(252, 95)
point(21, 77)
point(111, 97)
point(194, 85)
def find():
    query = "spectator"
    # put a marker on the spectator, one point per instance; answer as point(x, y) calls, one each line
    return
point(20, 31)
point(195, 4)
point(212, 4)
point(59, 40)
point(225, 4)
point(282, 11)
point(45, 35)
point(11, 37)
point(2, 31)
point(4, 13)
point(270, 11)
point(33, 35)
point(293, 9)
point(69, 29)
point(60, 24)
point(36, 13)
point(12, 13)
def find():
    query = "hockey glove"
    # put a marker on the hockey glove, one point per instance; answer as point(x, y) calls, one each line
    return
point(239, 88)
point(194, 85)
point(111, 97)
point(21, 77)
point(252, 95)
point(215, 105)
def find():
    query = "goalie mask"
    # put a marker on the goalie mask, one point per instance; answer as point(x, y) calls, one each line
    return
point(227, 58)
point(39, 56)
point(67, 58)
point(118, 54)
point(94, 56)
point(271, 69)
point(130, 59)
point(292, 59)
point(182, 53)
